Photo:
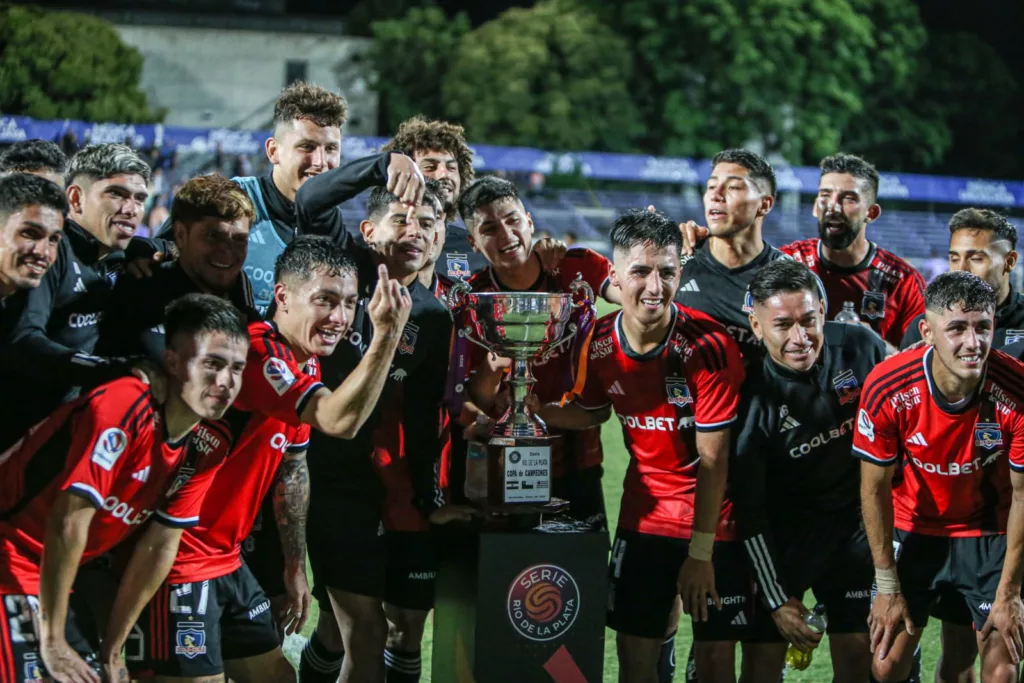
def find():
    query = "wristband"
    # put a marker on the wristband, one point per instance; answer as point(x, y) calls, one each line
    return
point(701, 545)
point(887, 581)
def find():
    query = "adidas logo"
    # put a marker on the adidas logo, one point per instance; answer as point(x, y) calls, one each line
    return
point(80, 286)
point(739, 620)
point(690, 286)
point(142, 475)
point(257, 238)
point(616, 389)
point(917, 440)
point(788, 421)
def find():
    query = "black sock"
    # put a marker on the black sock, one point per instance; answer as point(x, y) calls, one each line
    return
point(691, 667)
point(318, 664)
point(667, 660)
point(403, 666)
point(915, 668)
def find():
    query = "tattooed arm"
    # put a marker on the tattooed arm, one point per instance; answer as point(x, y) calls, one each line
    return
point(291, 506)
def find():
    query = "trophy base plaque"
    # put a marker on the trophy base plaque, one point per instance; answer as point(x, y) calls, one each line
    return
point(519, 469)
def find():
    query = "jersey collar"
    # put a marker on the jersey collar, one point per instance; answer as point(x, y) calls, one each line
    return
point(1011, 309)
point(620, 335)
point(940, 401)
point(704, 253)
point(85, 247)
point(779, 370)
point(863, 265)
point(537, 286)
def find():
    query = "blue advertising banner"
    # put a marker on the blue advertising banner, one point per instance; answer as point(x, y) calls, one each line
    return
point(600, 165)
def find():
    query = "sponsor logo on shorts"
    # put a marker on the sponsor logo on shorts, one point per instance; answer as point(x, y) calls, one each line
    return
point(543, 602)
point(985, 606)
point(259, 609)
point(739, 620)
point(422, 576)
point(109, 447)
point(278, 375)
point(730, 600)
point(190, 639)
point(858, 595)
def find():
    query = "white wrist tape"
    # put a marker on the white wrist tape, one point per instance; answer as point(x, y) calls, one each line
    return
point(887, 581)
point(701, 545)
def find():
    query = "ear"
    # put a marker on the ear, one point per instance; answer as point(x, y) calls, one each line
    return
point(172, 362)
point(613, 277)
point(874, 211)
point(281, 297)
point(472, 239)
point(366, 230)
point(180, 232)
point(926, 331)
point(755, 327)
point(1011, 261)
point(76, 198)
point(821, 307)
point(271, 147)
point(767, 202)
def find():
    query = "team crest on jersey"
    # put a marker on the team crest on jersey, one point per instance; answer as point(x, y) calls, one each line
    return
point(678, 393)
point(748, 302)
point(33, 668)
point(988, 435)
point(109, 447)
point(1013, 336)
point(458, 265)
point(407, 344)
point(278, 374)
point(847, 387)
point(190, 639)
point(872, 306)
point(180, 479)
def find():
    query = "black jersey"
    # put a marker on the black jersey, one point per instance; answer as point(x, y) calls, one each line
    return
point(458, 259)
point(1009, 324)
point(724, 293)
point(792, 446)
point(52, 330)
point(134, 323)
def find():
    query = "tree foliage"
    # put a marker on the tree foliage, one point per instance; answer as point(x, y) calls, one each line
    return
point(551, 76)
point(409, 57)
point(58, 65)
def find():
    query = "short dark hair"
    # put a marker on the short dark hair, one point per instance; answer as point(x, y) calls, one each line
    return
point(198, 314)
point(302, 100)
point(783, 275)
point(419, 134)
point(381, 198)
point(18, 190)
point(760, 170)
point(854, 166)
point(984, 219)
point(960, 287)
point(307, 253)
point(33, 155)
point(484, 191)
point(99, 162)
point(436, 188)
point(639, 226)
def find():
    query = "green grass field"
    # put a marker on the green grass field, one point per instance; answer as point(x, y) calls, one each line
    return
point(615, 460)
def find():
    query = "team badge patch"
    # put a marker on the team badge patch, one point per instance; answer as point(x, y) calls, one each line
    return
point(678, 393)
point(865, 426)
point(278, 374)
point(180, 479)
point(109, 447)
point(847, 387)
point(872, 306)
point(748, 302)
point(458, 265)
point(988, 435)
point(190, 639)
point(1013, 336)
point(407, 344)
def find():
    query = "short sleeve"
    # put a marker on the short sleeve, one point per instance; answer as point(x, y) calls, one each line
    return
point(717, 379)
point(876, 436)
point(300, 439)
point(273, 383)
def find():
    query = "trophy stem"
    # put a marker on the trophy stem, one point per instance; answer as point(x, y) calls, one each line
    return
point(518, 420)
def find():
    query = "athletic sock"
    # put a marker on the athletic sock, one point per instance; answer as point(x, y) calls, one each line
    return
point(667, 660)
point(915, 668)
point(691, 667)
point(318, 664)
point(403, 666)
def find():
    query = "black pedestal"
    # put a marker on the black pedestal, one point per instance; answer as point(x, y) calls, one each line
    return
point(521, 607)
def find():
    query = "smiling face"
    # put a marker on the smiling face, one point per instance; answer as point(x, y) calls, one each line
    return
point(648, 277)
point(503, 232)
point(28, 246)
point(973, 250)
point(299, 150)
point(732, 200)
point(962, 340)
point(791, 325)
point(441, 166)
point(207, 370)
point(315, 313)
point(212, 251)
point(110, 209)
point(845, 204)
point(404, 237)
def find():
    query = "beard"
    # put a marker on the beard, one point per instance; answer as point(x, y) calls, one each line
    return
point(837, 240)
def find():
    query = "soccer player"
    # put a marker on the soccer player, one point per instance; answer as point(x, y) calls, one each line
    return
point(984, 243)
point(949, 413)
point(95, 471)
point(50, 346)
point(228, 614)
point(888, 293)
point(669, 527)
point(794, 486)
point(439, 149)
point(31, 218)
point(38, 157)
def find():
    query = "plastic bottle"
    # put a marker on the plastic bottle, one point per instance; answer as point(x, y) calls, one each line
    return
point(847, 315)
point(817, 621)
point(476, 465)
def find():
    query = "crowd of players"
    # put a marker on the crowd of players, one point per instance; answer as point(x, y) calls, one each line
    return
point(186, 418)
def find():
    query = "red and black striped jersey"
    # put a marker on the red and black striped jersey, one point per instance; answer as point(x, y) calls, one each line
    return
point(886, 291)
point(689, 383)
point(111, 448)
point(955, 458)
point(264, 424)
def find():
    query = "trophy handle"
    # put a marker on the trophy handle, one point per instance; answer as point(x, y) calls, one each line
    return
point(573, 329)
point(580, 285)
point(467, 334)
point(457, 298)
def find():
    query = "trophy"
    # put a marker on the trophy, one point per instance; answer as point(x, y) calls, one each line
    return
point(523, 327)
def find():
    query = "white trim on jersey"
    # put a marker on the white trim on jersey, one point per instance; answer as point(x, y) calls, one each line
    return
point(89, 492)
point(714, 425)
point(177, 521)
point(875, 459)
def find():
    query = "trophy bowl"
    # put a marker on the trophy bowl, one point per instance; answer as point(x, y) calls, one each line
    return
point(521, 323)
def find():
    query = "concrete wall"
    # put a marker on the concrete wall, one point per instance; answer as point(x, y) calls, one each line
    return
point(209, 77)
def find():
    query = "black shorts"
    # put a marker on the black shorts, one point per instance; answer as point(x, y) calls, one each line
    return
point(642, 589)
point(347, 548)
point(412, 569)
point(951, 608)
point(19, 639)
point(262, 550)
point(585, 494)
point(189, 629)
point(930, 566)
point(830, 556)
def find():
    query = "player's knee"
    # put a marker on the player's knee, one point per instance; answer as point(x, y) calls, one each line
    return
point(959, 650)
point(638, 658)
point(715, 661)
point(405, 628)
point(889, 670)
point(1003, 672)
point(328, 632)
point(851, 657)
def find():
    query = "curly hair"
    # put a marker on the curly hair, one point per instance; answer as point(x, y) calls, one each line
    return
point(302, 100)
point(211, 196)
point(420, 134)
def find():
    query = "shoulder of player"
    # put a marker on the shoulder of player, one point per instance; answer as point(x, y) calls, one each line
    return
point(704, 333)
point(903, 268)
point(800, 247)
point(856, 338)
point(126, 404)
point(894, 374)
point(266, 342)
point(1008, 372)
point(481, 281)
